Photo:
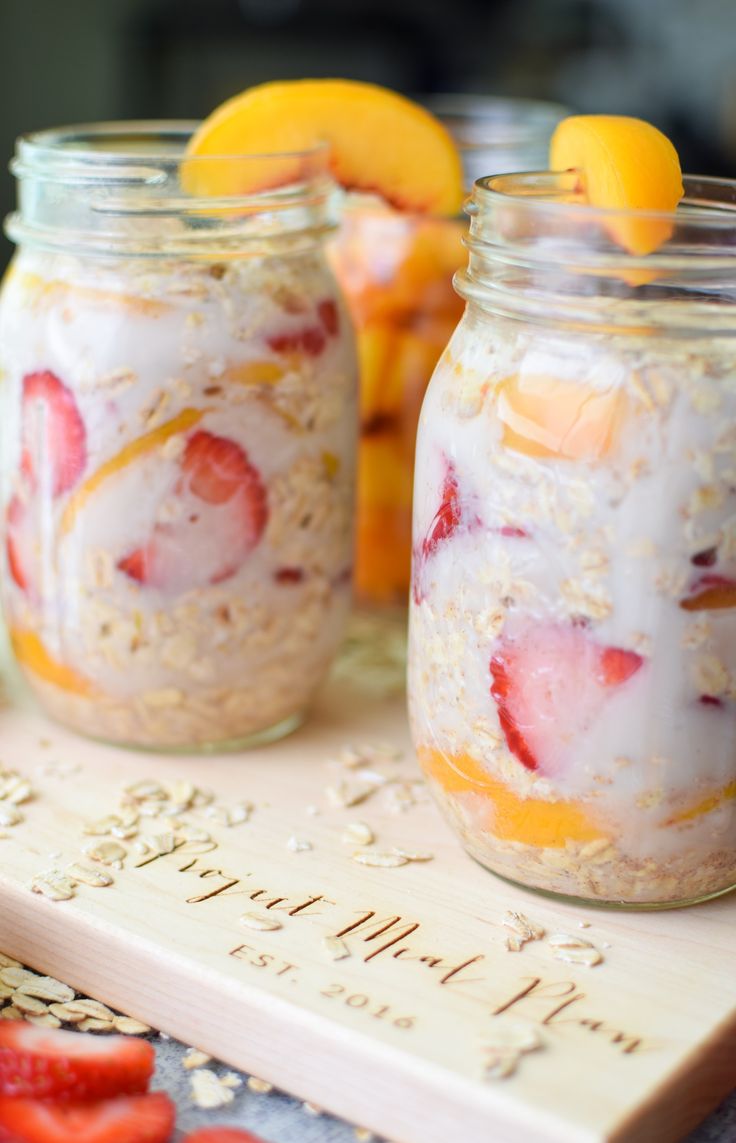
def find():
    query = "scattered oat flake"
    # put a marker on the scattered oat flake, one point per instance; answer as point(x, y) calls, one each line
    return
point(127, 1026)
point(92, 1024)
point(336, 947)
point(231, 1080)
point(574, 950)
point(95, 1009)
point(208, 1091)
point(89, 876)
point(193, 1058)
point(343, 795)
point(8, 962)
point(44, 1021)
point(381, 860)
point(259, 1085)
point(260, 921)
point(46, 988)
point(411, 856)
point(53, 884)
point(363, 1135)
point(28, 1004)
point(10, 1013)
point(298, 844)
point(504, 1047)
point(522, 930)
point(106, 852)
point(311, 1108)
point(358, 833)
point(10, 816)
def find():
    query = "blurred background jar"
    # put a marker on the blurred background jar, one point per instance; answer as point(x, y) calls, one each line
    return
point(396, 270)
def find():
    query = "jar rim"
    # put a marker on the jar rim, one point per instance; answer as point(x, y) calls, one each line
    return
point(708, 201)
point(57, 143)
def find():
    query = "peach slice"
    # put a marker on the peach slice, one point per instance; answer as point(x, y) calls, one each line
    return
point(379, 142)
point(185, 420)
point(30, 651)
point(704, 806)
point(530, 821)
point(624, 164)
point(54, 290)
point(547, 417)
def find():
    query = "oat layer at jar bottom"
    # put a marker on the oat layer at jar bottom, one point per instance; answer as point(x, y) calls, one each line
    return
point(177, 490)
point(573, 619)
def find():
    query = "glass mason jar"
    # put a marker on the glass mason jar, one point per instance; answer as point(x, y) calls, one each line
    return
point(573, 620)
point(396, 270)
point(178, 438)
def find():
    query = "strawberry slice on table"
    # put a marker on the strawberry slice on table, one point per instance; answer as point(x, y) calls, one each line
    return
point(221, 1135)
point(54, 436)
point(549, 683)
point(224, 511)
point(125, 1119)
point(44, 1063)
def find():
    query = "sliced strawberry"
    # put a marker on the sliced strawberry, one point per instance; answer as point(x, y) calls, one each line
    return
point(706, 558)
point(221, 1135)
point(329, 316)
point(54, 436)
point(289, 575)
point(447, 519)
point(44, 1063)
point(550, 683)
point(125, 1119)
point(16, 543)
point(310, 339)
point(224, 511)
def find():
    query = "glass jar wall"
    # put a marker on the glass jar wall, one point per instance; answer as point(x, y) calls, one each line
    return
point(179, 417)
point(573, 619)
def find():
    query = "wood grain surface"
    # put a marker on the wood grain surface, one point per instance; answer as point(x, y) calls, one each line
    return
point(396, 1035)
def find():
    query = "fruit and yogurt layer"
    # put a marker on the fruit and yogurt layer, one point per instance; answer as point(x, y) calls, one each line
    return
point(178, 483)
point(573, 622)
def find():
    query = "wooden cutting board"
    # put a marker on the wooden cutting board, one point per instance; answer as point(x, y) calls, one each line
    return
point(398, 1034)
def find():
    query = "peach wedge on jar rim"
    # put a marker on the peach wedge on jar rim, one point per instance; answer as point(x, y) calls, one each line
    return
point(572, 652)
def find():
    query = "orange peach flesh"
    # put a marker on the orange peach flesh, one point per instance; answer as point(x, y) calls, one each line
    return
point(32, 654)
point(378, 142)
point(549, 417)
point(624, 164)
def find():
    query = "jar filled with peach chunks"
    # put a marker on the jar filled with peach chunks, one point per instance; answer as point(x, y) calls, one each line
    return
point(573, 618)
point(179, 421)
point(396, 269)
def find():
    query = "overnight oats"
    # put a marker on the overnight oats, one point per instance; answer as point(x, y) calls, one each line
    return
point(179, 427)
point(573, 622)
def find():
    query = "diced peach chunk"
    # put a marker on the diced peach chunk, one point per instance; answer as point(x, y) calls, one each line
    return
point(184, 421)
point(711, 593)
point(510, 817)
point(378, 142)
point(32, 654)
point(549, 417)
point(254, 372)
point(624, 164)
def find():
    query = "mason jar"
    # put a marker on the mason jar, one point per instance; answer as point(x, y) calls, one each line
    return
point(573, 620)
point(178, 436)
point(396, 270)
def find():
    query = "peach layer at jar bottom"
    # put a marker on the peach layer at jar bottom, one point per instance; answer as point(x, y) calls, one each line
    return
point(556, 848)
point(396, 272)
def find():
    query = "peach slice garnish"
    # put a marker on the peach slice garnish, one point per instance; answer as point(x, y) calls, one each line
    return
point(30, 651)
point(547, 417)
point(185, 420)
point(624, 164)
point(379, 142)
point(530, 821)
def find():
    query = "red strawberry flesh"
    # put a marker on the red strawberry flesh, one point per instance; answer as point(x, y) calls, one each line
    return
point(124, 1119)
point(329, 316)
point(44, 1063)
point(550, 683)
point(447, 519)
point(54, 436)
